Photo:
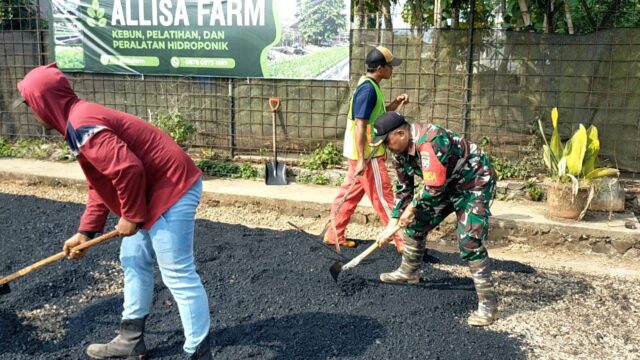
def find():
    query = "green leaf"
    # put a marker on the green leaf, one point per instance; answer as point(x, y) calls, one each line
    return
point(100, 12)
point(592, 150)
point(574, 151)
point(102, 22)
point(91, 22)
point(551, 162)
point(602, 172)
point(91, 12)
point(556, 144)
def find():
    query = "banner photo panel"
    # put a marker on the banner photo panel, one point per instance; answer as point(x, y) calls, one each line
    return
point(274, 39)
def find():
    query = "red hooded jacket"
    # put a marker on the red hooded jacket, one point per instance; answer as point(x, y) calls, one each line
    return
point(133, 168)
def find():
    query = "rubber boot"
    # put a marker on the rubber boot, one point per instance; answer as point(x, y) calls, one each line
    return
point(203, 351)
point(129, 343)
point(407, 273)
point(487, 311)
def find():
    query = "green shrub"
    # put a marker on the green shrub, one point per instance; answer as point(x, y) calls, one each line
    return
point(534, 190)
point(228, 169)
point(174, 124)
point(323, 157)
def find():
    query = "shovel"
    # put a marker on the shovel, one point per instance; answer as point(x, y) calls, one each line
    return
point(275, 173)
point(4, 282)
point(337, 267)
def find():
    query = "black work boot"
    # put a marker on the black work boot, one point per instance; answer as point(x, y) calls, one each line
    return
point(129, 343)
point(203, 351)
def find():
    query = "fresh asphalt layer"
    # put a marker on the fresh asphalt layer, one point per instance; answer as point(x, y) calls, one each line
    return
point(271, 297)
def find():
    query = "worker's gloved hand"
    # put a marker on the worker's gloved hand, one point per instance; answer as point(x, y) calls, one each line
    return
point(408, 215)
point(72, 242)
point(126, 227)
point(387, 234)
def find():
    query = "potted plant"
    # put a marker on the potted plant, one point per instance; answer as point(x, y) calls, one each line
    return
point(572, 170)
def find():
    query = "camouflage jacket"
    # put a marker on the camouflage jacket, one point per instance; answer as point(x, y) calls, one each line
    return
point(445, 161)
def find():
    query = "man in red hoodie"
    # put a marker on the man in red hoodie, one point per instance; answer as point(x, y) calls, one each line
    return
point(139, 173)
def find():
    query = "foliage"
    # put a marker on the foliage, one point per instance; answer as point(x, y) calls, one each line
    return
point(228, 169)
point(321, 20)
point(507, 169)
point(174, 124)
point(323, 157)
point(6, 150)
point(36, 149)
point(526, 165)
point(318, 179)
point(20, 15)
point(576, 159)
point(534, 190)
point(306, 66)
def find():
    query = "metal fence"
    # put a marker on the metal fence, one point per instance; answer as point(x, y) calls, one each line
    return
point(515, 79)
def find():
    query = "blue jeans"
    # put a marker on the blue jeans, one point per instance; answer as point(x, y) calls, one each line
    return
point(170, 242)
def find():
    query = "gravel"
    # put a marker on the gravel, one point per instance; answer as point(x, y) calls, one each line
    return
point(283, 303)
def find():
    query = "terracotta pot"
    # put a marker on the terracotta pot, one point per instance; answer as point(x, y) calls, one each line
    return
point(563, 204)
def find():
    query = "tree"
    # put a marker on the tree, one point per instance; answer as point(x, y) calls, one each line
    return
point(321, 19)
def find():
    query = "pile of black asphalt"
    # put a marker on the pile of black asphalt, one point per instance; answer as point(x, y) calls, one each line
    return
point(271, 297)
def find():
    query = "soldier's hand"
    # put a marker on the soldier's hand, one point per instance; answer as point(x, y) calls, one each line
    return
point(407, 216)
point(126, 227)
point(72, 242)
point(387, 234)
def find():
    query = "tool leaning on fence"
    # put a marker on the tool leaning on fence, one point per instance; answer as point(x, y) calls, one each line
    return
point(4, 282)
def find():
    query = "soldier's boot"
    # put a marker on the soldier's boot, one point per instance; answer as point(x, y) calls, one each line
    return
point(407, 273)
point(487, 311)
point(129, 343)
point(203, 351)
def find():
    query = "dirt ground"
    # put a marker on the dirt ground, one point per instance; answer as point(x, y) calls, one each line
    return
point(271, 295)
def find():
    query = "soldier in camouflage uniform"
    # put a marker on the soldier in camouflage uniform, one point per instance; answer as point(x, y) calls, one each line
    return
point(457, 177)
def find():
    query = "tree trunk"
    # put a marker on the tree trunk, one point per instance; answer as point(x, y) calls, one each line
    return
point(385, 6)
point(548, 17)
point(360, 16)
point(567, 16)
point(524, 10)
point(455, 15)
point(437, 14)
point(587, 11)
point(416, 21)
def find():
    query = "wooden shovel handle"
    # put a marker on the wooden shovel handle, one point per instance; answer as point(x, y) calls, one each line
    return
point(274, 104)
point(53, 258)
point(356, 260)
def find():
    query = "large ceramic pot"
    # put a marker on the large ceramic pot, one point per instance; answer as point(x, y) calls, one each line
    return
point(563, 204)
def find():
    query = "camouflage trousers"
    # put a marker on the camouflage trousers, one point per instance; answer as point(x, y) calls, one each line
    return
point(471, 206)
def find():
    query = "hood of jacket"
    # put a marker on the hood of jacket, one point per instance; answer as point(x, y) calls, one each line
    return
point(48, 92)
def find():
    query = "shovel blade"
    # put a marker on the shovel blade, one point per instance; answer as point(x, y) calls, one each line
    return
point(275, 173)
point(4, 289)
point(335, 270)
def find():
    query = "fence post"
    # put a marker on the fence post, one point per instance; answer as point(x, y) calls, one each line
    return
point(232, 121)
point(468, 83)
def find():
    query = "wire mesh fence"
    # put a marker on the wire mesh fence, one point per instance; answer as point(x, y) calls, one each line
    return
point(516, 79)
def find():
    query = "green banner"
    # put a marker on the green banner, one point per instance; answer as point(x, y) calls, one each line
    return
point(222, 38)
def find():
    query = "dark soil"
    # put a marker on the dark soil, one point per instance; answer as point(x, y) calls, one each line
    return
point(271, 297)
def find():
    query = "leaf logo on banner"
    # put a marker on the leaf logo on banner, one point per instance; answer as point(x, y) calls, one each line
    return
point(96, 15)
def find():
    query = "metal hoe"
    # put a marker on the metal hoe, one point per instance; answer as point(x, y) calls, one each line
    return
point(4, 282)
point(275, 173)
point(337, 267)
